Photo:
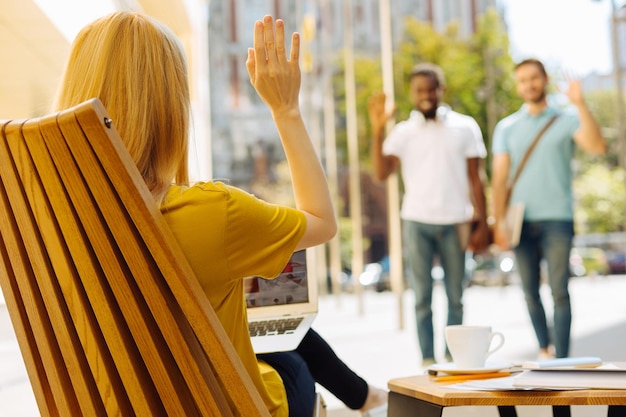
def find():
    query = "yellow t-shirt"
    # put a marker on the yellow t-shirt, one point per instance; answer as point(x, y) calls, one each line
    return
point(227, 235)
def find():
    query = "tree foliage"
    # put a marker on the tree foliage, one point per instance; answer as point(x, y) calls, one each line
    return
point(602, 106)
point(599, 185)
point(479, 80)
point(477, 70)
point(599, 194)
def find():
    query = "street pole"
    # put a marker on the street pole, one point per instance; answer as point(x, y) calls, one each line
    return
point(619, 92)
point(617, 74)
point(330, 149)
point(396, 269)
point(353, 154)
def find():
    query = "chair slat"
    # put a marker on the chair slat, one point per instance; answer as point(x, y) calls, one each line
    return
point(62, 230)
point(104, 273)
point(60, 287)
point(15, 303)
point(28, 261)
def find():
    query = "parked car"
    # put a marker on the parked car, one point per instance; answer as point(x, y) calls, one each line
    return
point(376, 275)
point(491, 269)
point(499, 269)
point(588, 261)
point(617, 262)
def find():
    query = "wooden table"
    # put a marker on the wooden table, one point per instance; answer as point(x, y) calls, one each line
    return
point(421, 396)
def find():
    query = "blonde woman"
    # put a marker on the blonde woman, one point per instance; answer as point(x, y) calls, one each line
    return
point(137, 68)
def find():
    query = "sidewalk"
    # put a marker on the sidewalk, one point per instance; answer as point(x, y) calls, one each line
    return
point(376, 348)
point(374, 345)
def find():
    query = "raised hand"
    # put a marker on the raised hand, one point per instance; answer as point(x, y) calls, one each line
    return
point(589, 135)
point(574, 90)
point(275, 77)
point(376, 109)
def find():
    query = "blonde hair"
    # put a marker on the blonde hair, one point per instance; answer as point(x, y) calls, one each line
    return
point(136, 66)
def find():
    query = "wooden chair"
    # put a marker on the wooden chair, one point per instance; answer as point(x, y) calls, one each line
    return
point(108, 314)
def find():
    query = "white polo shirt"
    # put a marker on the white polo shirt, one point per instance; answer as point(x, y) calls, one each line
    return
point(433, 156)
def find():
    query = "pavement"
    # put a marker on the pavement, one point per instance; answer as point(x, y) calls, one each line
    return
point(374, 333)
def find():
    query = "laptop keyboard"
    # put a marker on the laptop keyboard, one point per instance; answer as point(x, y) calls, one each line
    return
point(273, 327)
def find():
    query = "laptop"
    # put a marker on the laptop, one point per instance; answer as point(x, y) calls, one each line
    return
point(281, 310)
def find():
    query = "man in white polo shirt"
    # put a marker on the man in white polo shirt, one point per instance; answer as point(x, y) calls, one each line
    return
point(439, 152)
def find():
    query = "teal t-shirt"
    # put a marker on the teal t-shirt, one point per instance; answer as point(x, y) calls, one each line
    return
point(545, 185)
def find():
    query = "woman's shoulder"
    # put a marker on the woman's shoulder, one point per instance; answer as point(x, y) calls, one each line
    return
point(206, 189)
point(210, 193)
point(197, 193)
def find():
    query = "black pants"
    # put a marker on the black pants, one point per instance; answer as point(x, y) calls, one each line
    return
point(315, 361)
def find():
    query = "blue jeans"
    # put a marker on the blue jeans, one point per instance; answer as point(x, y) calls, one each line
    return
point(552, 241)
point(424, 241)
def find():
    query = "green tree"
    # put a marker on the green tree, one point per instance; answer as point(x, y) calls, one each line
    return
point(599, 181)
point(479, 76)
point(368, 80)
point(477, 68)
point(602, 106)
point(599, 194)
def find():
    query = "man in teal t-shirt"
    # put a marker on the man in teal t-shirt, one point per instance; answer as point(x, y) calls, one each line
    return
point(545, 188)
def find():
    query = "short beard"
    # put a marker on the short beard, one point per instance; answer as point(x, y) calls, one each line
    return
point(539, 99)
point(430, 114)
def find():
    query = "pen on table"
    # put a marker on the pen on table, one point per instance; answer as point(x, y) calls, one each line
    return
point(468, 377)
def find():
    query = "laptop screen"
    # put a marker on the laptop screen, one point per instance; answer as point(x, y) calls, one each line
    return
point(290, 287)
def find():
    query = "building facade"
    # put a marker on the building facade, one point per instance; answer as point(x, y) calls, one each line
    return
point(243, 137)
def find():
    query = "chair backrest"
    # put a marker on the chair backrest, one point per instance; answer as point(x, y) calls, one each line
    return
point(108, 314)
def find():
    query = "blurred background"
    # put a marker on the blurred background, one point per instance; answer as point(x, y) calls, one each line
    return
point(350, 49)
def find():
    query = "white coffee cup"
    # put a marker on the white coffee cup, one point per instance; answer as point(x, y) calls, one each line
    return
point(471, 345)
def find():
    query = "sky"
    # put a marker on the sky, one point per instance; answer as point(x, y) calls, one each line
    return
point(571, 35)
point(82, 12)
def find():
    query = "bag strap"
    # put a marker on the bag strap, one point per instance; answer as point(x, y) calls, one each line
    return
point(527, 155)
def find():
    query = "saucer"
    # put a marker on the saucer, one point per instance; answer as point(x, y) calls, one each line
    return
point(451, 368)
